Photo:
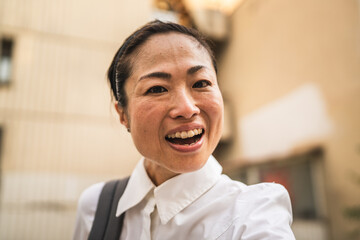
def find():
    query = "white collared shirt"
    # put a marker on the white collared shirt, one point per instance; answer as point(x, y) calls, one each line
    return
point(198, 205)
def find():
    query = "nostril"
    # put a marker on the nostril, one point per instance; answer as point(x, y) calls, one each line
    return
point(186, 115)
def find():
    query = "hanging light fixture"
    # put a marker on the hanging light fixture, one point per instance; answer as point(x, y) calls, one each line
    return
point(212, 16)
point(226, 7)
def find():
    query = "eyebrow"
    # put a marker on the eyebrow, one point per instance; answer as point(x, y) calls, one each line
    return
point(165, 75)
point(162, 75)
point(194, 69)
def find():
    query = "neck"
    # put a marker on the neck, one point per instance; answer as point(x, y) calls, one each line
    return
point(157, 173)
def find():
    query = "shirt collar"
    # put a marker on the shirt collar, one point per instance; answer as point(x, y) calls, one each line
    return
point(172, 196)
point(137, 188)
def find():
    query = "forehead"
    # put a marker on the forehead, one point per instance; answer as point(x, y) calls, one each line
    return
point(170, 46)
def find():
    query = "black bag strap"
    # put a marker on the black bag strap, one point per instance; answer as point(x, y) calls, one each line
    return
point(106, 225)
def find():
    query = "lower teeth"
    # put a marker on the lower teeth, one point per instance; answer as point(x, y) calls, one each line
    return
point(189, 144)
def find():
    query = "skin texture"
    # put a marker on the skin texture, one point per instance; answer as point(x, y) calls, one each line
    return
point(173, 87)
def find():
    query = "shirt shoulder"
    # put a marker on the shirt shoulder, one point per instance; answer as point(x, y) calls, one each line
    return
point(249, 193)
point(87, 205)
point(89, 199)
point(267, 191)
point(260, 211)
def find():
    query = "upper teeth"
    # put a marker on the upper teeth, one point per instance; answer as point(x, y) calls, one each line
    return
point(185, 134)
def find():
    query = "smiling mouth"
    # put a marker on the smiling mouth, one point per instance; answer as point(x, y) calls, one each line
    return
point(185, 137)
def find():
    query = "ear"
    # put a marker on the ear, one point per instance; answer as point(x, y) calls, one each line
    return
point(122, 115)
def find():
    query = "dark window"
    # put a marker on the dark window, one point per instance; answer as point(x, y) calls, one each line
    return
point(301, 175)
point(6, 52)
point(296, 177)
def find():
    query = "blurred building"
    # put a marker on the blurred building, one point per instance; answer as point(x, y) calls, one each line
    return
point(289, 72)
point(59, 133)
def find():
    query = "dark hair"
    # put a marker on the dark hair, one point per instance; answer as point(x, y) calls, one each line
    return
point(120, 67)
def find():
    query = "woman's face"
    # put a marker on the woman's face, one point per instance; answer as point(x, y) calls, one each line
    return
point(175, 108)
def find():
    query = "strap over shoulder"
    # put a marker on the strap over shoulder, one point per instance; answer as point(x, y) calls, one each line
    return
point(106, 225)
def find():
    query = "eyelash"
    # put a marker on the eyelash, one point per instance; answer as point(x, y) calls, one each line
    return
point(156, 89)
point(208, 83)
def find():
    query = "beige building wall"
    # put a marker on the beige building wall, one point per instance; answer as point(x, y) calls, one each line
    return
point(278, 47)
point(60, 132)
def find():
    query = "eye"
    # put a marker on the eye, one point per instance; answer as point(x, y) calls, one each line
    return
point(202, 84)
point(156, 89)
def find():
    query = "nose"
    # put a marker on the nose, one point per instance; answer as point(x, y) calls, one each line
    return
point(183, 105)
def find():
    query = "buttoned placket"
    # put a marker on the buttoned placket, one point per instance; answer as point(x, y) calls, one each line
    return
point(148, 210)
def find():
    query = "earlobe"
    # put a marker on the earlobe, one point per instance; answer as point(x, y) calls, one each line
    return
point(122, 115)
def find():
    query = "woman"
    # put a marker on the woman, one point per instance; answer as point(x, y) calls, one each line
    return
point(167, 96)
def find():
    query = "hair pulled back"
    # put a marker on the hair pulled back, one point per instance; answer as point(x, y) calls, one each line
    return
point(120, 67)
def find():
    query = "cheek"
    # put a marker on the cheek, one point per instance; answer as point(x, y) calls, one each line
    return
point(147, 116)
point(146, 127)
point(214, 106)
point(214, 110)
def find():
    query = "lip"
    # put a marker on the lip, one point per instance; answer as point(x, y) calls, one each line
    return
point(188, 148)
